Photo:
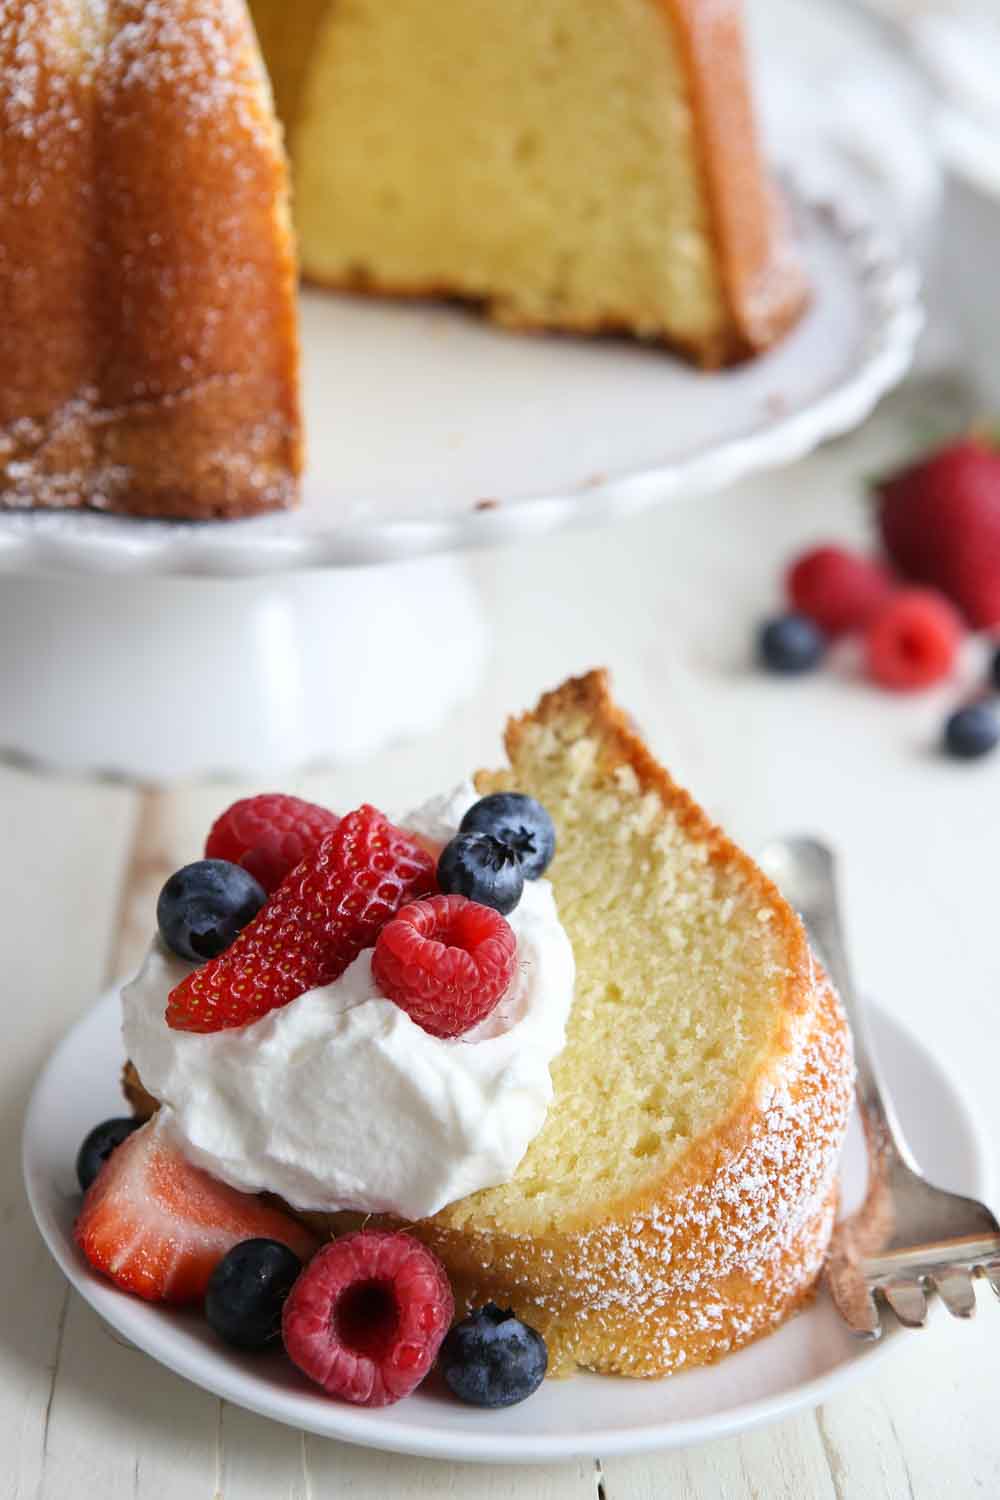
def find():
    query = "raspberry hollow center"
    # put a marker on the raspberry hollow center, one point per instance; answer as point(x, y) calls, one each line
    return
point(366, 1318)
point(912, 646)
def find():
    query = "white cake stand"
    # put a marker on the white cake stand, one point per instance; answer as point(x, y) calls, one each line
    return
point(158, 650)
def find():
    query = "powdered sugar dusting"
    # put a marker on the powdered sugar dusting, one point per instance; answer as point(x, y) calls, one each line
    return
point(701, 1272)
point(244, 454)
point(46, 64)
point(61, 62)
point(145, 256)
point(196, 50)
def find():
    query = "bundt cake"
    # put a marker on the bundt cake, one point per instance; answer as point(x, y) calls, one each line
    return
point(678, 1199)
point(147, 266)
point(570, 164)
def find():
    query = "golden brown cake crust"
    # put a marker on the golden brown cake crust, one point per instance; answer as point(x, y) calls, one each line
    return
point(762, 276)
point(147, 267)
point(731, 1240)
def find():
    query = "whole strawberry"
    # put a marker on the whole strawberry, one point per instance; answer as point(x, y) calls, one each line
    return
point(317, 922)
point(940, 524)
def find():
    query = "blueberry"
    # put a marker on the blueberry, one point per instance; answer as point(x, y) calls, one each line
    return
point(493, 1359)
point(203, 906)
point(98, 1146)
point(995, 668)
point(480, 867)
point(790, 643)
point(972, 731)
point(519, 821)
point(247, 1291)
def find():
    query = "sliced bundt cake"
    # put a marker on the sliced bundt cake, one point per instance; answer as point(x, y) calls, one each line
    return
point(679, 1198)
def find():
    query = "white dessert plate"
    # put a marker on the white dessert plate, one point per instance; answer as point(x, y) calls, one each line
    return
point(429, 429)
point(800, 1365)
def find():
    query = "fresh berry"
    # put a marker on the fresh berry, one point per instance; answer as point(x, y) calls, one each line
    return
point(838, 590)
point(247, 1291)
point(269, 835)
point(940, 523)
point(790, 644)
point(99, 1144)
point(203, 906)
point(315, 925)
point(159, 1226)
point(517, 820)
point(995, 668)
point(446, 962)
point(366, 1318)
point(480, 867)
point(913, 640)
point(972, 731)
point(493, 1359)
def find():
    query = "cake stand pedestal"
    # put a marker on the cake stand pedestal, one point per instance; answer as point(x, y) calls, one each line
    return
point(160, 679)
point(157, 650)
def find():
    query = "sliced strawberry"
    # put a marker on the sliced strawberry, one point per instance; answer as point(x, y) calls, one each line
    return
point(317, 922)
point(159, 1226)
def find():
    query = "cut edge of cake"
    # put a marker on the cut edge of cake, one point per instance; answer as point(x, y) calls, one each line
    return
point(760, 287)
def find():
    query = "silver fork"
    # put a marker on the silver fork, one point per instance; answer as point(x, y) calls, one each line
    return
point(907, 1236)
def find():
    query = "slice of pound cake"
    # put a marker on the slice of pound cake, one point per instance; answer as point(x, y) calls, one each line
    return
point(678, 1199)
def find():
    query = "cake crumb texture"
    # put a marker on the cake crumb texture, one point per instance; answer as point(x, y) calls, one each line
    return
point(574, 164)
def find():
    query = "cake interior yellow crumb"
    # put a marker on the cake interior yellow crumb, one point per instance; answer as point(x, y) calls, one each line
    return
point(542, 157)
point(675, 992)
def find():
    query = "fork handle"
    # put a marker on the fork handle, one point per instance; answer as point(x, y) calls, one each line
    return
point(886, 1141)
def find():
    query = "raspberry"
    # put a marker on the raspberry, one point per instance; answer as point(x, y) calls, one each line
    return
point(446, 962)
point(269, 835)
point(311, 929)
point(940, 523)
point(913, 641)
point(838, 590)
point(367, 1316)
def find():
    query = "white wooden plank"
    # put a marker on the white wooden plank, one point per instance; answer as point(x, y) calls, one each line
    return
point(261, 1460)
point(170, 832)
point(862, 1450)
point(113, 1423)
point(63, 853)
point(925, 1425)
point(338, 1470)
point(121, 1426)
point(785, 1461)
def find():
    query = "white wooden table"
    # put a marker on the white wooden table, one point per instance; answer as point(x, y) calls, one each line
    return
point(667, 602)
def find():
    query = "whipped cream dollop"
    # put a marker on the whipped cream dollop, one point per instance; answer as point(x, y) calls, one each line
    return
point(339, 1100)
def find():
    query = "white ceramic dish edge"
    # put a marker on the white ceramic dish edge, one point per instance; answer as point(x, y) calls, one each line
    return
point(484, 1440)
